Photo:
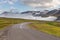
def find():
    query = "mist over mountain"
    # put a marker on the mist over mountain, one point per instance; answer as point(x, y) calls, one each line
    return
point(46, 15)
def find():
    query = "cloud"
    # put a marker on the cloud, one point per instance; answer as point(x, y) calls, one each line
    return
point(1, 11)
point(34, 3)
point(12, 8)
point(11, 2)
point(2, 2)
point(41, 3)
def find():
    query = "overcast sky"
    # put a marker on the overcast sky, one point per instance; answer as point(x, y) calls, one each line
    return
point(24, 5)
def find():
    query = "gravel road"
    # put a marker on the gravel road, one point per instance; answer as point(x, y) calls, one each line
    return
point(23, 32)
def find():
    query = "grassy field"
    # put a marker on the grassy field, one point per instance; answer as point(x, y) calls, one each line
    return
point(52, 28)
point(5, 22)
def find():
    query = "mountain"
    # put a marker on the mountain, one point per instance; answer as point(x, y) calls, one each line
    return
point(34, 15)
point(54, 12)
point(51, 12)
point(57, 13)
point(26, 12)
point(58, 19)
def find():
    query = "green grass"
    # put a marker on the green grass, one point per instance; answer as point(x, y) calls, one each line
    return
point(52, 28)
point(5, 22)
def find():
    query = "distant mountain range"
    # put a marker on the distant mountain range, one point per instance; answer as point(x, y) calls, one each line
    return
point(47, 13)
point(54, 12)
point(44, 14)
point(35, 13)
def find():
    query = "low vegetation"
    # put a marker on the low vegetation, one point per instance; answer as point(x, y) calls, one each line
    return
point(52, 28)
point(5, 22)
